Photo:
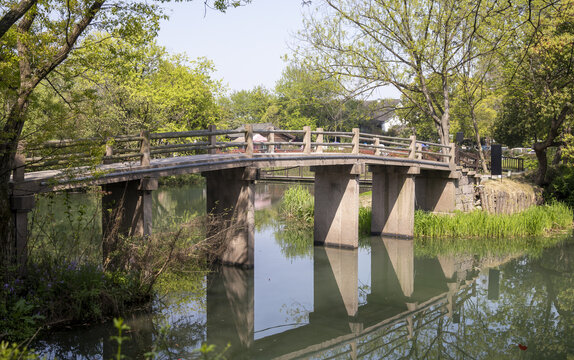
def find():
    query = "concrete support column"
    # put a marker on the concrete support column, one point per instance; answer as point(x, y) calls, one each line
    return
point(393, 202)
point(127, 209)
point(21, 206)
point(337, 205)
point(230, 202)
point(435, 192)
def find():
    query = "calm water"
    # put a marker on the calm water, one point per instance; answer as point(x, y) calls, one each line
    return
point(380, 301)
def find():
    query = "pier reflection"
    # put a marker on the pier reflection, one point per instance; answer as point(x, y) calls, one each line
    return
point(401, 286)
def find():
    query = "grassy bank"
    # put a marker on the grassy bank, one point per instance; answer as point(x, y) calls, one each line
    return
point(538, 220)
point(535, 221)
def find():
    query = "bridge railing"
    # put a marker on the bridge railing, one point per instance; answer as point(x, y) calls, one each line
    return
point(142, 148)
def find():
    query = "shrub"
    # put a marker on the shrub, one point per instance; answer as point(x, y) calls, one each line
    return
point(561, 187)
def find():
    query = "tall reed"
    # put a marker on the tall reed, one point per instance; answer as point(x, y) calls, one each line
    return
point(532, 222)
point(298, 203)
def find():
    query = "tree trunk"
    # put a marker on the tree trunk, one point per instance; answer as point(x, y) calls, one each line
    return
point(7, 245)
point(557, 156)
point(540, 150)
point(477, 137)
point(8, 147)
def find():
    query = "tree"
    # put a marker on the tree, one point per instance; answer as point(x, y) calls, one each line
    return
point(36, 37)
point(403, 43)
point(246, 106)
point(124, 87)
point(538, 105)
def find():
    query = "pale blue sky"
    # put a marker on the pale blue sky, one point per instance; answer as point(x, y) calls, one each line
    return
point(246, 44)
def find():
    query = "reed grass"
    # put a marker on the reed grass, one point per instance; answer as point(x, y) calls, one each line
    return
point(536, 221)
point(298, 203)
point(365, 221)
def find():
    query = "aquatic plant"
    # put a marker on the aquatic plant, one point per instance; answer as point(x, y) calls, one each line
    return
point(365, 221)
point(534, 221)
point(298, 203)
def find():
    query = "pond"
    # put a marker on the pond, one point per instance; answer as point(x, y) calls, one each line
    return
point(383, 300)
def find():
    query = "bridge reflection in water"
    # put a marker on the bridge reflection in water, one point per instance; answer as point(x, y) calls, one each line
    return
point(340, 303)
point(339, 324)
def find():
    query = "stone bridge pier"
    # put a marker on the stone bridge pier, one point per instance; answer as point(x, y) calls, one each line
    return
point(126, 210)
point(230, 204)
point(337, 205)
point(393, 201)
point(436, 191)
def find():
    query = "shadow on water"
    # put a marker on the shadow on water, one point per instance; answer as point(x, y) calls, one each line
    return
point(379, 301)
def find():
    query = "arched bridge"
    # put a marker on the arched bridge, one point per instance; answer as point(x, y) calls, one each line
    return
point(127, 168)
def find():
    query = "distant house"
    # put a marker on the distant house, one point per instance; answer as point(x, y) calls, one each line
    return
point(261, 133)
point(382, 116)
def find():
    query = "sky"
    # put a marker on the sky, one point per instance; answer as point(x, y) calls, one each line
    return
point(246, 44)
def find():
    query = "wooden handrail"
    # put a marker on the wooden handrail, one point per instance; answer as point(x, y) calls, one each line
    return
point(146, 146)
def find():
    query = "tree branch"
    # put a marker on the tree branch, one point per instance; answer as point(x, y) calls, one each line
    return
point(15, 14)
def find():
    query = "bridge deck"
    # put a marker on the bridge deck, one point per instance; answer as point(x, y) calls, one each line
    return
point(50, 180)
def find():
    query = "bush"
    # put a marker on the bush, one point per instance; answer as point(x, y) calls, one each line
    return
point(561, 187)
point(52, 292)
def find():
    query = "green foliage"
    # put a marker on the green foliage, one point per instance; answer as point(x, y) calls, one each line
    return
point(125, 87)
point(537, 220)
point(66, 226)
point(537, 107)
point(208, 352)
point(186, 179)
point(561, 187)
point(56, 291)
point(14, 352)
point(365, 221)
point(298, 203)
point(120, 339)
point(246, 106)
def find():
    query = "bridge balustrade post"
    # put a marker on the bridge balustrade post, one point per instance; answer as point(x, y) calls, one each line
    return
point(212, 140)
point(413, 147)
point(21, 203)
point(109, 153)
point(377, 144)
point(249, 140)
point(319, 140)
point(356, 141)
point(419, 151)
point(145, 148)
point(272, 141)
point(452, 159)
point(307, 140)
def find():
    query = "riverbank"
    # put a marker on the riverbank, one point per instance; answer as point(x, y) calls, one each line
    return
point(52, 291)
point(298, 205)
